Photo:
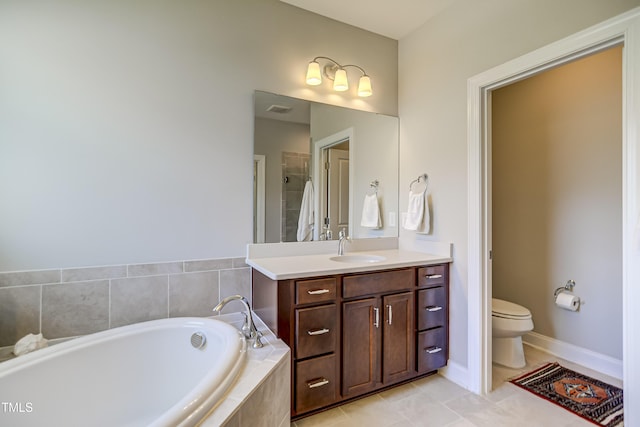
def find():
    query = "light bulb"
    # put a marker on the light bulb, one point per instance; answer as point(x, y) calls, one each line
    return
point(364, 86)
point(313, 74)
point(340, 83)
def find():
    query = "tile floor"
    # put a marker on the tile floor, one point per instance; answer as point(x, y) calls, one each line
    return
point(437, 402)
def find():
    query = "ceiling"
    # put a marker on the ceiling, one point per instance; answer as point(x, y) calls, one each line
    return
point(391, 18)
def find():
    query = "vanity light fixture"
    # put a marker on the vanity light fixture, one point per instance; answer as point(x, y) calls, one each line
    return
point(336, 72)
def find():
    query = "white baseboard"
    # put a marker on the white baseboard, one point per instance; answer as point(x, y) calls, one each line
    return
point(456, 373)
point(587, 358)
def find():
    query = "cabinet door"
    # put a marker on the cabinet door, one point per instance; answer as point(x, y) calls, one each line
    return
point(361, 321)
point(398, 360)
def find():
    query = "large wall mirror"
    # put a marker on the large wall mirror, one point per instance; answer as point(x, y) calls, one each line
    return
point(320, 169)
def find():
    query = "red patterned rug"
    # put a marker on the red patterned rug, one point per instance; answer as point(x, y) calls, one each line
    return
point(587, 397)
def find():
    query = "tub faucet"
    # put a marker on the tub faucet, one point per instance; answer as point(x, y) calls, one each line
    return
point(249, 329)
point(343, 238)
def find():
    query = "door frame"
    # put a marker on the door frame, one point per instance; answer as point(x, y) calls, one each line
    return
point(623, 29)
point(318, 170)
point(260, 195)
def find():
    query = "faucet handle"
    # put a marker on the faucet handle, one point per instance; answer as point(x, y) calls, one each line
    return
point(256, 342)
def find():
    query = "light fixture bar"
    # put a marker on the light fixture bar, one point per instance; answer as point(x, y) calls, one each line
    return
point(337, 72)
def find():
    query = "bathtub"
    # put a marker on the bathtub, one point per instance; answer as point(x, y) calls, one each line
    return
point(146, 374)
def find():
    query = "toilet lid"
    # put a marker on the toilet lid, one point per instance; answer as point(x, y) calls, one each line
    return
point(508, 309)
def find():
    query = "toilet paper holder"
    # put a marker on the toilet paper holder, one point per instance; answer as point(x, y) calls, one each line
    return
point(567, 287)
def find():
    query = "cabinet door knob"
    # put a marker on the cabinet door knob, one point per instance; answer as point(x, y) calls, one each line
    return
point(434, 349)
point(433, 276)
point(376, 321)
point(321, 331)
point(318, 291)
point(433, 308)
point(319, 382)
point(389, 314)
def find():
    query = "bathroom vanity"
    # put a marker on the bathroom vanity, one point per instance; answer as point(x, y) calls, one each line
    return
point(354, 327)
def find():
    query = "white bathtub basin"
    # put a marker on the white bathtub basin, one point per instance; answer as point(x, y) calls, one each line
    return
point(146, 374)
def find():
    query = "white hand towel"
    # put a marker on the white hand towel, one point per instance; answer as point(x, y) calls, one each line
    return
point(29, 343)
point(418, 218)
point(371, 212)
point(305, 220)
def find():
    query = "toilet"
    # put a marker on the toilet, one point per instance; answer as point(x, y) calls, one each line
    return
point(509, 322)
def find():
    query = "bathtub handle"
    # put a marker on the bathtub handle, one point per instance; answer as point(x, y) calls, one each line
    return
point(433, 308)
point(318, 291)
point(319, 382)
point(433, 276)
point(434, 349)
point(318, 331)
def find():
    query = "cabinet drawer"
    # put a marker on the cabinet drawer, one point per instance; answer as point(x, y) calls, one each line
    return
point(316, 383)
point(315, 291)
point(432, 276)
point(316, 330)
point(377, 283)
point(432, 308)
point(432, 350)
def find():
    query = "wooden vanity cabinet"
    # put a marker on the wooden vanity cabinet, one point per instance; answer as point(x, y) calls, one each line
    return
point(305, 314)
point(352, 334)
point(377, 330)
point(433, 318)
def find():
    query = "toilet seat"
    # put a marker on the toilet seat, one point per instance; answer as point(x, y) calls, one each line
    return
point(509, 310)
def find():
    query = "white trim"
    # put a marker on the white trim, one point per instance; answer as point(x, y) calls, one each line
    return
point(260, 161)
point(582, 356)
point(621, 29)
point(318, 170)
point(455, 373)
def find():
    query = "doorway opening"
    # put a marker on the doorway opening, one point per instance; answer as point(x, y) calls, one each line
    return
point(333, 172)
point(610, 33)
point(555, 208)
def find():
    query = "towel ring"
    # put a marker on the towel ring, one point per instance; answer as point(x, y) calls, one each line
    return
point(374, 184)
point(424, 177)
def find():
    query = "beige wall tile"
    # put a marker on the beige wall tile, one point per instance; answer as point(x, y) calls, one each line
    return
point(93, 273)
point(232, 282)
point(71, 309)
point(36, 277)
point(19, 313)
point(208, 264)
point(135, 270)
point(193, 294)
point(138, 299)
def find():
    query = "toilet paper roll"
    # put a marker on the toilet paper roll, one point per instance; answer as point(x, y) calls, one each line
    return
point(567, 301)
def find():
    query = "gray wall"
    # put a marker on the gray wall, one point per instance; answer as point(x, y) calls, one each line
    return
point(435, 63)
point(557, 198)
point(126, 137)
point(127, 127)
point(373, 155)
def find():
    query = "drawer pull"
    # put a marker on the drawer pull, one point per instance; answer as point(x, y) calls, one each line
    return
point(317, 382)
point(376, 321)
point(433, 308)
point(432, 350)
point(318, 332)
point(433, 276)
point(318, 291)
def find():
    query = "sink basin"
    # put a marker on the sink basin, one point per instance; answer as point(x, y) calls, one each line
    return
point(361, 258)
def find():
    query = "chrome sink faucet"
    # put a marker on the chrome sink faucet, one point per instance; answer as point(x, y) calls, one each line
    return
point(249, 329)
point(343, 238)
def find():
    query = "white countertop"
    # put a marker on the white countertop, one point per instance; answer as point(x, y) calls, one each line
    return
point(293, 267)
